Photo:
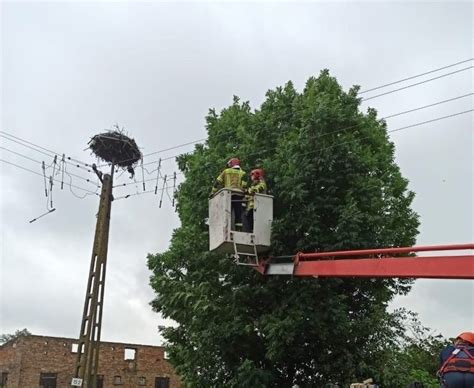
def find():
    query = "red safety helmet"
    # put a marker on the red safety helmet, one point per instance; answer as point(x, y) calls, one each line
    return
point(467, 337)
point(257, 173)
point(233, 162)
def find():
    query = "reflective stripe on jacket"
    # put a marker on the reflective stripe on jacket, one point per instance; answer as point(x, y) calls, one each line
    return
point(232, 178)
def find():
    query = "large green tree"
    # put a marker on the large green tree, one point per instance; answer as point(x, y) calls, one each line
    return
point(415, 356)
point(336, 185)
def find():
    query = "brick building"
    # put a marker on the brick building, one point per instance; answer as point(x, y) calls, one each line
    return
point(48, 362)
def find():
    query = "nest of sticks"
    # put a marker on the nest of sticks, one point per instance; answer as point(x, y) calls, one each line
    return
point(116, 148)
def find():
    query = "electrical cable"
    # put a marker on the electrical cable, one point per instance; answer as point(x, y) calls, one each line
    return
point(415, 84)
point(141, 193)
point(41, 152)
point(416, 76)
point(42, 162)
point(360, 138)
point(28, 142)
point(427, 106)
point(363, 99)
point(22, 155)
point(40, 147)
point(204, 139)
point(355, 125)
point(77, 195)
point(165, 188)
point(391, 131)
point(431, 121)
point(37, 173)
point(146, 180)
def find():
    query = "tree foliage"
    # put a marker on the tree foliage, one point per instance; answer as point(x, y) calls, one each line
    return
point(18, 333)
point(336, 186)
point(415, 357)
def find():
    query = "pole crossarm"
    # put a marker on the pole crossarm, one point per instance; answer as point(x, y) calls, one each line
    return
point(379, 263)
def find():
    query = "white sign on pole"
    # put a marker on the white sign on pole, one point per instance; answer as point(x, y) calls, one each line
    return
point(76, 382)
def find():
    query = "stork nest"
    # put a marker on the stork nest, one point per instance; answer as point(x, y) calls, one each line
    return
point(116, 148)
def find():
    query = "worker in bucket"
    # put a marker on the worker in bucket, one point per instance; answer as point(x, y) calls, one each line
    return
point(257, 185)
point(233, 178)
point(457, 363)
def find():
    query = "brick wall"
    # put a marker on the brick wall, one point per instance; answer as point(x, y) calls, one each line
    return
point(26, 357)
point(10, 360)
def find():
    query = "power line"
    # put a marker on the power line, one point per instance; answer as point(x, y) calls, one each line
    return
point(52, 153)
point(363, 99)
point(416, 84)
point(40, 147)
point(178, 146)
point(164, 150)
point(28, 142)
point(355, 125)
point(393, 130)
point(142, 192)
point(165, 189)
point(42, 152)
point(365, 137)
point(427, 106)
point(431, 121)
point(23, 156)
point(308, 153)
point(416, 76)
point(41, 175)
point(39, 162)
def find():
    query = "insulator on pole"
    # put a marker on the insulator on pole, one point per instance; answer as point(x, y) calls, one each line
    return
point(44, 176)
point(174, 187)
point(63, 168)
point(42, 215)
point(157, 175)
point(143, 175)
point(162, 191)
point(51, 190)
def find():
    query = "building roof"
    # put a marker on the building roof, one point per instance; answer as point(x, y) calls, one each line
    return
point(26, 337)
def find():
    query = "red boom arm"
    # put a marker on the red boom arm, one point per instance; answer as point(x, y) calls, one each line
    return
point(378, 263)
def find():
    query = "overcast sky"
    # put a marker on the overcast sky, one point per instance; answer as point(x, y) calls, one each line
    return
point(70, 70)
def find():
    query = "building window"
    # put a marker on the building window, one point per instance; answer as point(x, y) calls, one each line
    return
point(117, 380)
point(142, 381)
point(162, 382)
point(129, 354)
point(3, 380)
point(48, 380)
point(75, 348)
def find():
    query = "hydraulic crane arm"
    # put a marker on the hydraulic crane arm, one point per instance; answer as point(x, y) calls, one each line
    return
point(378, 263)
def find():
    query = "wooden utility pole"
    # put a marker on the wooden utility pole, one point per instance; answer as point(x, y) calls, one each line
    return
point(87, 364)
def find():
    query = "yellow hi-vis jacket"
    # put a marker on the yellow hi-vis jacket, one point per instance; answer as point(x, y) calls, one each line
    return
point(256, 187)
point(231, 178)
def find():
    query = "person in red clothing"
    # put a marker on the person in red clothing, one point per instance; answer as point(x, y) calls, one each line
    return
point(457, 363)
